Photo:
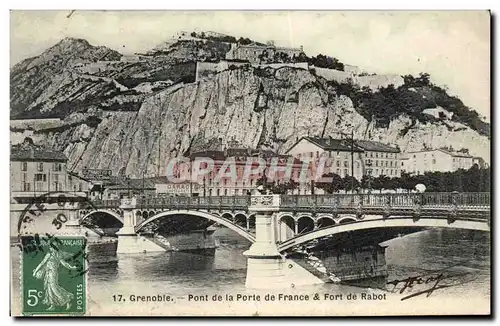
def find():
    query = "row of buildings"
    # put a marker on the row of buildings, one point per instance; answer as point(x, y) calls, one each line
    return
point(36, 170)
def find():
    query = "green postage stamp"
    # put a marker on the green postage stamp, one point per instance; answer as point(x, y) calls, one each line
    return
point(53, 275)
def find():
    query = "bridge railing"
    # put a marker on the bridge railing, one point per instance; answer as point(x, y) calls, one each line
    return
point(401, 200)
point(308, 202)
point(181, 202)
point(106, 203)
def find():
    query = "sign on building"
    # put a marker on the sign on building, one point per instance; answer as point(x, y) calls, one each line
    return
point(97, 174)
point(184, 189)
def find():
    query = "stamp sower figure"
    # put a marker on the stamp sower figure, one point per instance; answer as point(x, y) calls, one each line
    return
point(48, 271)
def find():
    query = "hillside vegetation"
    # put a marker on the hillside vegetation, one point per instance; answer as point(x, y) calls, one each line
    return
point(412, 98)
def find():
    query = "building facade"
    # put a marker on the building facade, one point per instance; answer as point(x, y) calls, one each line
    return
point(36, 170)
point(254, 52)
point(369, 157)
point(279, 169)
point(434, 160)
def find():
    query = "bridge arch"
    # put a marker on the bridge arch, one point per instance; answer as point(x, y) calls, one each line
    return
point(324, 221)
point(305, 223)
point(380, 223)
point(105, 211)
point(240, 219)
point(220, 220)
point(251, 221)
point(307, 215)
point(288, 220)
point(347, 219)
point(227, 216)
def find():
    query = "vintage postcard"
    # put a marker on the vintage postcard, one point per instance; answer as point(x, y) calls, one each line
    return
point(232, 163)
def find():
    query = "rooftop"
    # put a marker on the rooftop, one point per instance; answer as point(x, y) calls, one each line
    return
point(28, 151)
point(374, 146)
point(332, 144)
point(452, 153)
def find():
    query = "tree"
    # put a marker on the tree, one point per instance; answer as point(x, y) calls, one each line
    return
point(244, 41)
point(350, 182)
point(334, 185)
point(276, 188)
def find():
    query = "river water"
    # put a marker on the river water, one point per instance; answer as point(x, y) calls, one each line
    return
point(184, 274)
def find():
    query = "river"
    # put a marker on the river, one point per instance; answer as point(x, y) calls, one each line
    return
point(182, 274)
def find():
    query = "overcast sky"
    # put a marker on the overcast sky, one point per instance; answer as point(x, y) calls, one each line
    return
point(454, 47)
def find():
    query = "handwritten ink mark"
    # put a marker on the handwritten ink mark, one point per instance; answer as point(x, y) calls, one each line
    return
point(434, 280)
point(71, 13)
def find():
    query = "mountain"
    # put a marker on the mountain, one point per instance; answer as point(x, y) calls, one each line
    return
point(132, 113)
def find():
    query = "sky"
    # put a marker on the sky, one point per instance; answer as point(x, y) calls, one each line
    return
point(452, 46)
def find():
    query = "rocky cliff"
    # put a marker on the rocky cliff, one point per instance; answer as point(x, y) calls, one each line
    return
point(258, 108)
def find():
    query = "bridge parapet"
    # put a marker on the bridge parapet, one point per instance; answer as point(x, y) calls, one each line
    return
point(335, 203)
point(128, 203)
point(265, 203)
point(106, 203)
point(209, 203)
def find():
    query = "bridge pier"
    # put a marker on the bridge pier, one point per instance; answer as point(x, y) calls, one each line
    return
point(72, 225)
point(129, 241)
point(266, 267)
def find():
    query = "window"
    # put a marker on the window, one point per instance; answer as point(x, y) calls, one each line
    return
point(345, 172)
point(57, 167)
point(80, 186)
point(391, 163)
point(414, 156)
point(371, 154)
point(386, 155)
point(225, 192)
point(357, 165)
point(317, 154)
point(391, 171)
point(376, 163)
point(433, 161)
point(24, 166)
point(386, 164)
point(376, 155)
point(26, 186)
point(346, 164)
point(39, 166)
point(338, 171)
point(338, 163)
point(40, 177)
